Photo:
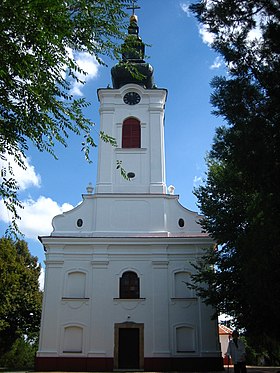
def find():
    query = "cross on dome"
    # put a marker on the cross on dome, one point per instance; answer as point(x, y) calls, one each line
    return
point(133, 53)
point(133, 7)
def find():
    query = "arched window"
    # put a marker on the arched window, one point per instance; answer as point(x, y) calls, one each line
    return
point(182, 279)
point(129, 285)
point(76, 285)
point(131, 133)
point(73, 339)
point(185, 339)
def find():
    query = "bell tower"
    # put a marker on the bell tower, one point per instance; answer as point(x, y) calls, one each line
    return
point(133, 113)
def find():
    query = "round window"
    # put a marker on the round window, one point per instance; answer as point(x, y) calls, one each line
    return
point(80, 223)
point(130, 175)
point(181, 222)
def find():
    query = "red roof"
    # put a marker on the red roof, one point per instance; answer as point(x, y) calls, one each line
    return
point(224, 330)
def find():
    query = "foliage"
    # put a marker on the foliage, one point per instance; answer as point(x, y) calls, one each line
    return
point(240, 197)
point(39, 40)
point(21, 355)
point(20, 297)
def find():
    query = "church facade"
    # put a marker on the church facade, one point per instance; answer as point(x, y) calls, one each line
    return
point(118, 264)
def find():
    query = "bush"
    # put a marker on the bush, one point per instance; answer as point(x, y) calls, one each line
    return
point(21, 355)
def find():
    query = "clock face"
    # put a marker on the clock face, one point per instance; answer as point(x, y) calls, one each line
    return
point(131, 98)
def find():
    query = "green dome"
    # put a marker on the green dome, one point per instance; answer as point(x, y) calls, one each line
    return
point(133, 68)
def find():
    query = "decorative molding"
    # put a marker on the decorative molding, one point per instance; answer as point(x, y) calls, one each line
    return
point(129, 304)
point(97, 354)
point(184, 302)
point(75, 303)
point(54, 263)
point(130, 150)
point(72, 352)
point(160, 263)
point(73, 298)
point(161, 353)
point(100, 263)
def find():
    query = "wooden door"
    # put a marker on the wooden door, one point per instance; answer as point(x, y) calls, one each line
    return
point(129, 356)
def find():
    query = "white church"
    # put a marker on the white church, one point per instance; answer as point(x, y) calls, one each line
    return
point(118, 264)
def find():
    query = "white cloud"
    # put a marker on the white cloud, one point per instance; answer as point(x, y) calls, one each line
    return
point(197, 181)
point(88, 64)
point(217, 63)
point(25, 177)
point(224, 318)
point(36, 216)
point(207, 37)
point(256, 33)
point(76, 89)
point(42, 279)
point(186, 8)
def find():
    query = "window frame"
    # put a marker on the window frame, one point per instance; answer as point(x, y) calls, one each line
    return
point(129, 285)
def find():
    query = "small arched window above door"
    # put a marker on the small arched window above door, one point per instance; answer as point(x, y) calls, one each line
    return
point(129, 286)
point(131, 133)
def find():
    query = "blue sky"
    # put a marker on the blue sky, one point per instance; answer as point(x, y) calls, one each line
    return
point(184, 64)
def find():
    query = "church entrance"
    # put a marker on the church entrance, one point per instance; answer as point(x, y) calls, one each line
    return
point(129, 347)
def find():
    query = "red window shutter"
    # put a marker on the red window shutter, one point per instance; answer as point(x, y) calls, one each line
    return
point(131, 133)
